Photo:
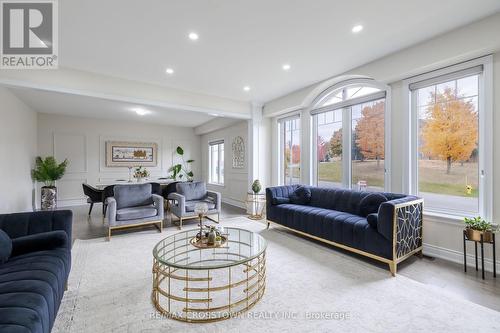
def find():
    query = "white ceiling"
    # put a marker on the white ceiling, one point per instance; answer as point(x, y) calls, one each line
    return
point(246, 42)
point(84, 106)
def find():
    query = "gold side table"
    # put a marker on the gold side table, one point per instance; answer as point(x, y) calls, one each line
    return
point(256, 202)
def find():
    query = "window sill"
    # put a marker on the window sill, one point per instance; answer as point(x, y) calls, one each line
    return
point(446, 218)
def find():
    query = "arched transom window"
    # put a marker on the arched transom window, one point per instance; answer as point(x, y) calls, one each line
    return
point(349, 136)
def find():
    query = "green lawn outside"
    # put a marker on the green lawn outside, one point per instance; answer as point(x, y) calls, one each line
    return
point(432, 176)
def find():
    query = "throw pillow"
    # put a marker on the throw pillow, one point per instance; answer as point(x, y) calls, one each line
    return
point(5, 247)
point(301, 196)
point(371, 203)
point(280, 200)
point(372, 220)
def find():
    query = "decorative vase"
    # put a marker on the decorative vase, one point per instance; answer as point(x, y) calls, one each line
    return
point(475, 235)
point(49, 198)
point(211, 237)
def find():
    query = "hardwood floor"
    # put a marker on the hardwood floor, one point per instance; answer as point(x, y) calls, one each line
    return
point(439, 274)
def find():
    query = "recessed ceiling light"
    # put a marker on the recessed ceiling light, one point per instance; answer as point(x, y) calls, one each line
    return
point(141, 112)
point(286, 67)
point(357, 28)
point(193, 36)
point(246, 88)
point(169, 71)
point(214, 114)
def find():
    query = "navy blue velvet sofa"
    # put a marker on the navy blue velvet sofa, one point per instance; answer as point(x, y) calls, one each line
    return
point(383, 226)
point(33, 277)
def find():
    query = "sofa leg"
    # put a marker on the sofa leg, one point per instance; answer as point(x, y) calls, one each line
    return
point(420, 254)
point(180, 223)
point(109, 234)
point(268, 225)
point(218, 217)
point(66, 286)
point(393, 268)
point(161, 226)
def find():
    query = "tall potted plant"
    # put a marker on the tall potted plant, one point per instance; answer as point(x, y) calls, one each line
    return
point(183, 169)
point(47, 171)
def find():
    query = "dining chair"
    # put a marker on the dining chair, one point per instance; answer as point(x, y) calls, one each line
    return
point(107, 193)
point(93, 195)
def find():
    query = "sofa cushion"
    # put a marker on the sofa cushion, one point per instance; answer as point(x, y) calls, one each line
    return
point(39, 242)
point(134, 213)
point(192, 190)
point(189, 205)
point(371, 203)
point(280, 200)
point(132, 195)
point(5, 246)
point(372, 220)
point(301, 196)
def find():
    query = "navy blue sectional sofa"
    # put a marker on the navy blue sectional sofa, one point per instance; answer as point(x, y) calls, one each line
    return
point(383, 226)
point(35, 260)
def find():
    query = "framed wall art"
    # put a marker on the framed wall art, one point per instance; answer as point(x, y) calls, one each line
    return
point(131, 154)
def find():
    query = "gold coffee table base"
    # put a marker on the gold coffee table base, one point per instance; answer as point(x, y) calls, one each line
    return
point(223, 283)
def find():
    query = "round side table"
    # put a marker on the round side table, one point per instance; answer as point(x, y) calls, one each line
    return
point(256, 202)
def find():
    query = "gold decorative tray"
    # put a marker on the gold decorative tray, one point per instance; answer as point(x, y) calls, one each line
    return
point(203, 242)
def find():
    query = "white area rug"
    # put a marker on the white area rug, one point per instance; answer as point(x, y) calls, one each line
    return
point(110, 290)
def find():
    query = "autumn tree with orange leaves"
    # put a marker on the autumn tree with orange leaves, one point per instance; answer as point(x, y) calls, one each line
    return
point(450, 129)
point(370, 132)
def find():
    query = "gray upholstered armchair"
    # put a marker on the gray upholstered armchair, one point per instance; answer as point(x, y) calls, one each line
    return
point(188, 195)
point(134, 205)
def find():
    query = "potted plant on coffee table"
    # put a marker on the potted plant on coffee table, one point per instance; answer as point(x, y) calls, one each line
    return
point(48, 171)
point(477, 226)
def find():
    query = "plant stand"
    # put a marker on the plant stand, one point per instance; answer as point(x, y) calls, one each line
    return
point(482, 253)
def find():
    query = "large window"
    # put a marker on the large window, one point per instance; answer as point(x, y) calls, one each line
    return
point(289, 142)
point(216, 162)
point(447, 110)
point(349, 124)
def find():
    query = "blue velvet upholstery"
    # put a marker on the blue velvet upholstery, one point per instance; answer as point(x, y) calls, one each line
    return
point(301, 196)
point(5, 247)
point(334, 214)
point(32, 281)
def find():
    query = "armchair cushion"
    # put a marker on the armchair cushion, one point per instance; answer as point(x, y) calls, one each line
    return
point(5, 247)
point(133, 213)
point(190, 204)
point(132, 195)
point(39, 242)
point(192, 190)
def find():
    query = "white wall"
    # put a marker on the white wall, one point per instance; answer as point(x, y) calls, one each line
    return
point(442, 236)
point(18, 135)
point(235, 185)
point(82, 141)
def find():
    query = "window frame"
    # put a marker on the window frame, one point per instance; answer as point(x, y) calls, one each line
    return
point(281, 135)
point(315, 109)
point(485, 146)
point(220, 162)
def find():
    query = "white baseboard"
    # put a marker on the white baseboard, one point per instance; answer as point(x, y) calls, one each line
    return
point(458, 257)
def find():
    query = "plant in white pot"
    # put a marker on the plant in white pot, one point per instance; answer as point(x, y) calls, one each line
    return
point(48, 171)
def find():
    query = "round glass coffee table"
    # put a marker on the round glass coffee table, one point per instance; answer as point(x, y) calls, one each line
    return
point(196, 284)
